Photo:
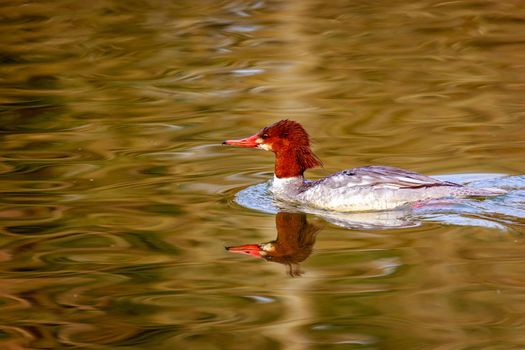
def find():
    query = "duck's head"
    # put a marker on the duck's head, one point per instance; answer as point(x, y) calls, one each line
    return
point(290, 143)
point(284, 134)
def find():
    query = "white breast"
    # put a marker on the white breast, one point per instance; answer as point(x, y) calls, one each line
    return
point(286, 188)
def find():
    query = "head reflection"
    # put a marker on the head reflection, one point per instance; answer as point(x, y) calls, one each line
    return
point(294, 242)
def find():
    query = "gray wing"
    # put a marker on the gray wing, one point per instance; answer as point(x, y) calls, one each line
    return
point(381, 177)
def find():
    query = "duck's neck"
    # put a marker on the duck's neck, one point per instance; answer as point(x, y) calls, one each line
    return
point(287, 165)
point(292, 162)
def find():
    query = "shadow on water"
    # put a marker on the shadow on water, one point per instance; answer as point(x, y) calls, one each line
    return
point(294, 243)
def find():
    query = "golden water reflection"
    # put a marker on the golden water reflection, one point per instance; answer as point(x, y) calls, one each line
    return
point(117, 199)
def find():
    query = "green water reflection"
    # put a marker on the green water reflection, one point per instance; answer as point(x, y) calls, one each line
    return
point(117, 200)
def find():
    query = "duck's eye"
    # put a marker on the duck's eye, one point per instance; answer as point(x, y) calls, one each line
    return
point(264, 136)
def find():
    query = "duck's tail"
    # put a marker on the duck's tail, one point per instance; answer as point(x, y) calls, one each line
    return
point(484, 192)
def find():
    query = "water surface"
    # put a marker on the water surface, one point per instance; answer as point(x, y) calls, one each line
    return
point(117, 199)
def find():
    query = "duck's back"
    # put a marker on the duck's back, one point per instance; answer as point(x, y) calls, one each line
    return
point(380, 188)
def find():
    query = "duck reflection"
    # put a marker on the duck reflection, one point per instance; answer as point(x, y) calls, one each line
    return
point(294, 243)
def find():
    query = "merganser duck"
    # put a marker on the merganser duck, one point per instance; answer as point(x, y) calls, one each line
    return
point(294, 243)
point(359, 189)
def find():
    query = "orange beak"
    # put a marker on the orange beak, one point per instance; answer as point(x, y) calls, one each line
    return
point(248, 249)
point(249, 142)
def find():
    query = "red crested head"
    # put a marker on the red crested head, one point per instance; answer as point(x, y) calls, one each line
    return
point(283, 135)
point(290, 143)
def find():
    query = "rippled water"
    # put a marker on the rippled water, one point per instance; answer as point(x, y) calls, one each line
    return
point(117, 199)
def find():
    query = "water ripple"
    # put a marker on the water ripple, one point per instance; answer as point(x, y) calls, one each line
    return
point(117, 200)
point(41, 156)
